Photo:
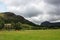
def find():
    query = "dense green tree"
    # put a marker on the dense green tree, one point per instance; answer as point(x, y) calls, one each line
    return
point(18, 26)
point(1, 24)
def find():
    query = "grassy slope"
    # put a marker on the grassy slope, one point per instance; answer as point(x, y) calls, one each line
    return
point(2, 15)
point(30, 35)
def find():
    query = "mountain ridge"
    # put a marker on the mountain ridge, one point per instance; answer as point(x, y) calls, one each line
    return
point(10, 15)
point(50, 25)
point(18, 22)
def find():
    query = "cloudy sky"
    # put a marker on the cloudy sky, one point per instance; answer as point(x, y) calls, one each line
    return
point(36, 11)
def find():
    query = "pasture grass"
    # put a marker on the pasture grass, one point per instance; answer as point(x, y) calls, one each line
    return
point(30, 35)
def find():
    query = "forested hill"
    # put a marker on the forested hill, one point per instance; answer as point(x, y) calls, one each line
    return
point(10, 18)
point(49, 25)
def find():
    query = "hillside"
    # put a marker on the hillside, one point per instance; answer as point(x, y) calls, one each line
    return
point(10, 18)
point(47, 24)
point(17, 18)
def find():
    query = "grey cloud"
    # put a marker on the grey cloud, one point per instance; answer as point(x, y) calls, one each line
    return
point(53, 2)
point(55, 11)
point(54, 14)
point(54, 18)
point(23, 2)
point(31, 12)
point(27, 9)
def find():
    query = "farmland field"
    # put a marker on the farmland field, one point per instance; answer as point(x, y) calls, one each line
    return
point(30, 35)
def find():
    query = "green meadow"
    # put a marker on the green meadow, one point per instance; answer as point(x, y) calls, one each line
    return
point(30, 35)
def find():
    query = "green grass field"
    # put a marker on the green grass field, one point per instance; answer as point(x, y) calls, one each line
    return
point(30, 35)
